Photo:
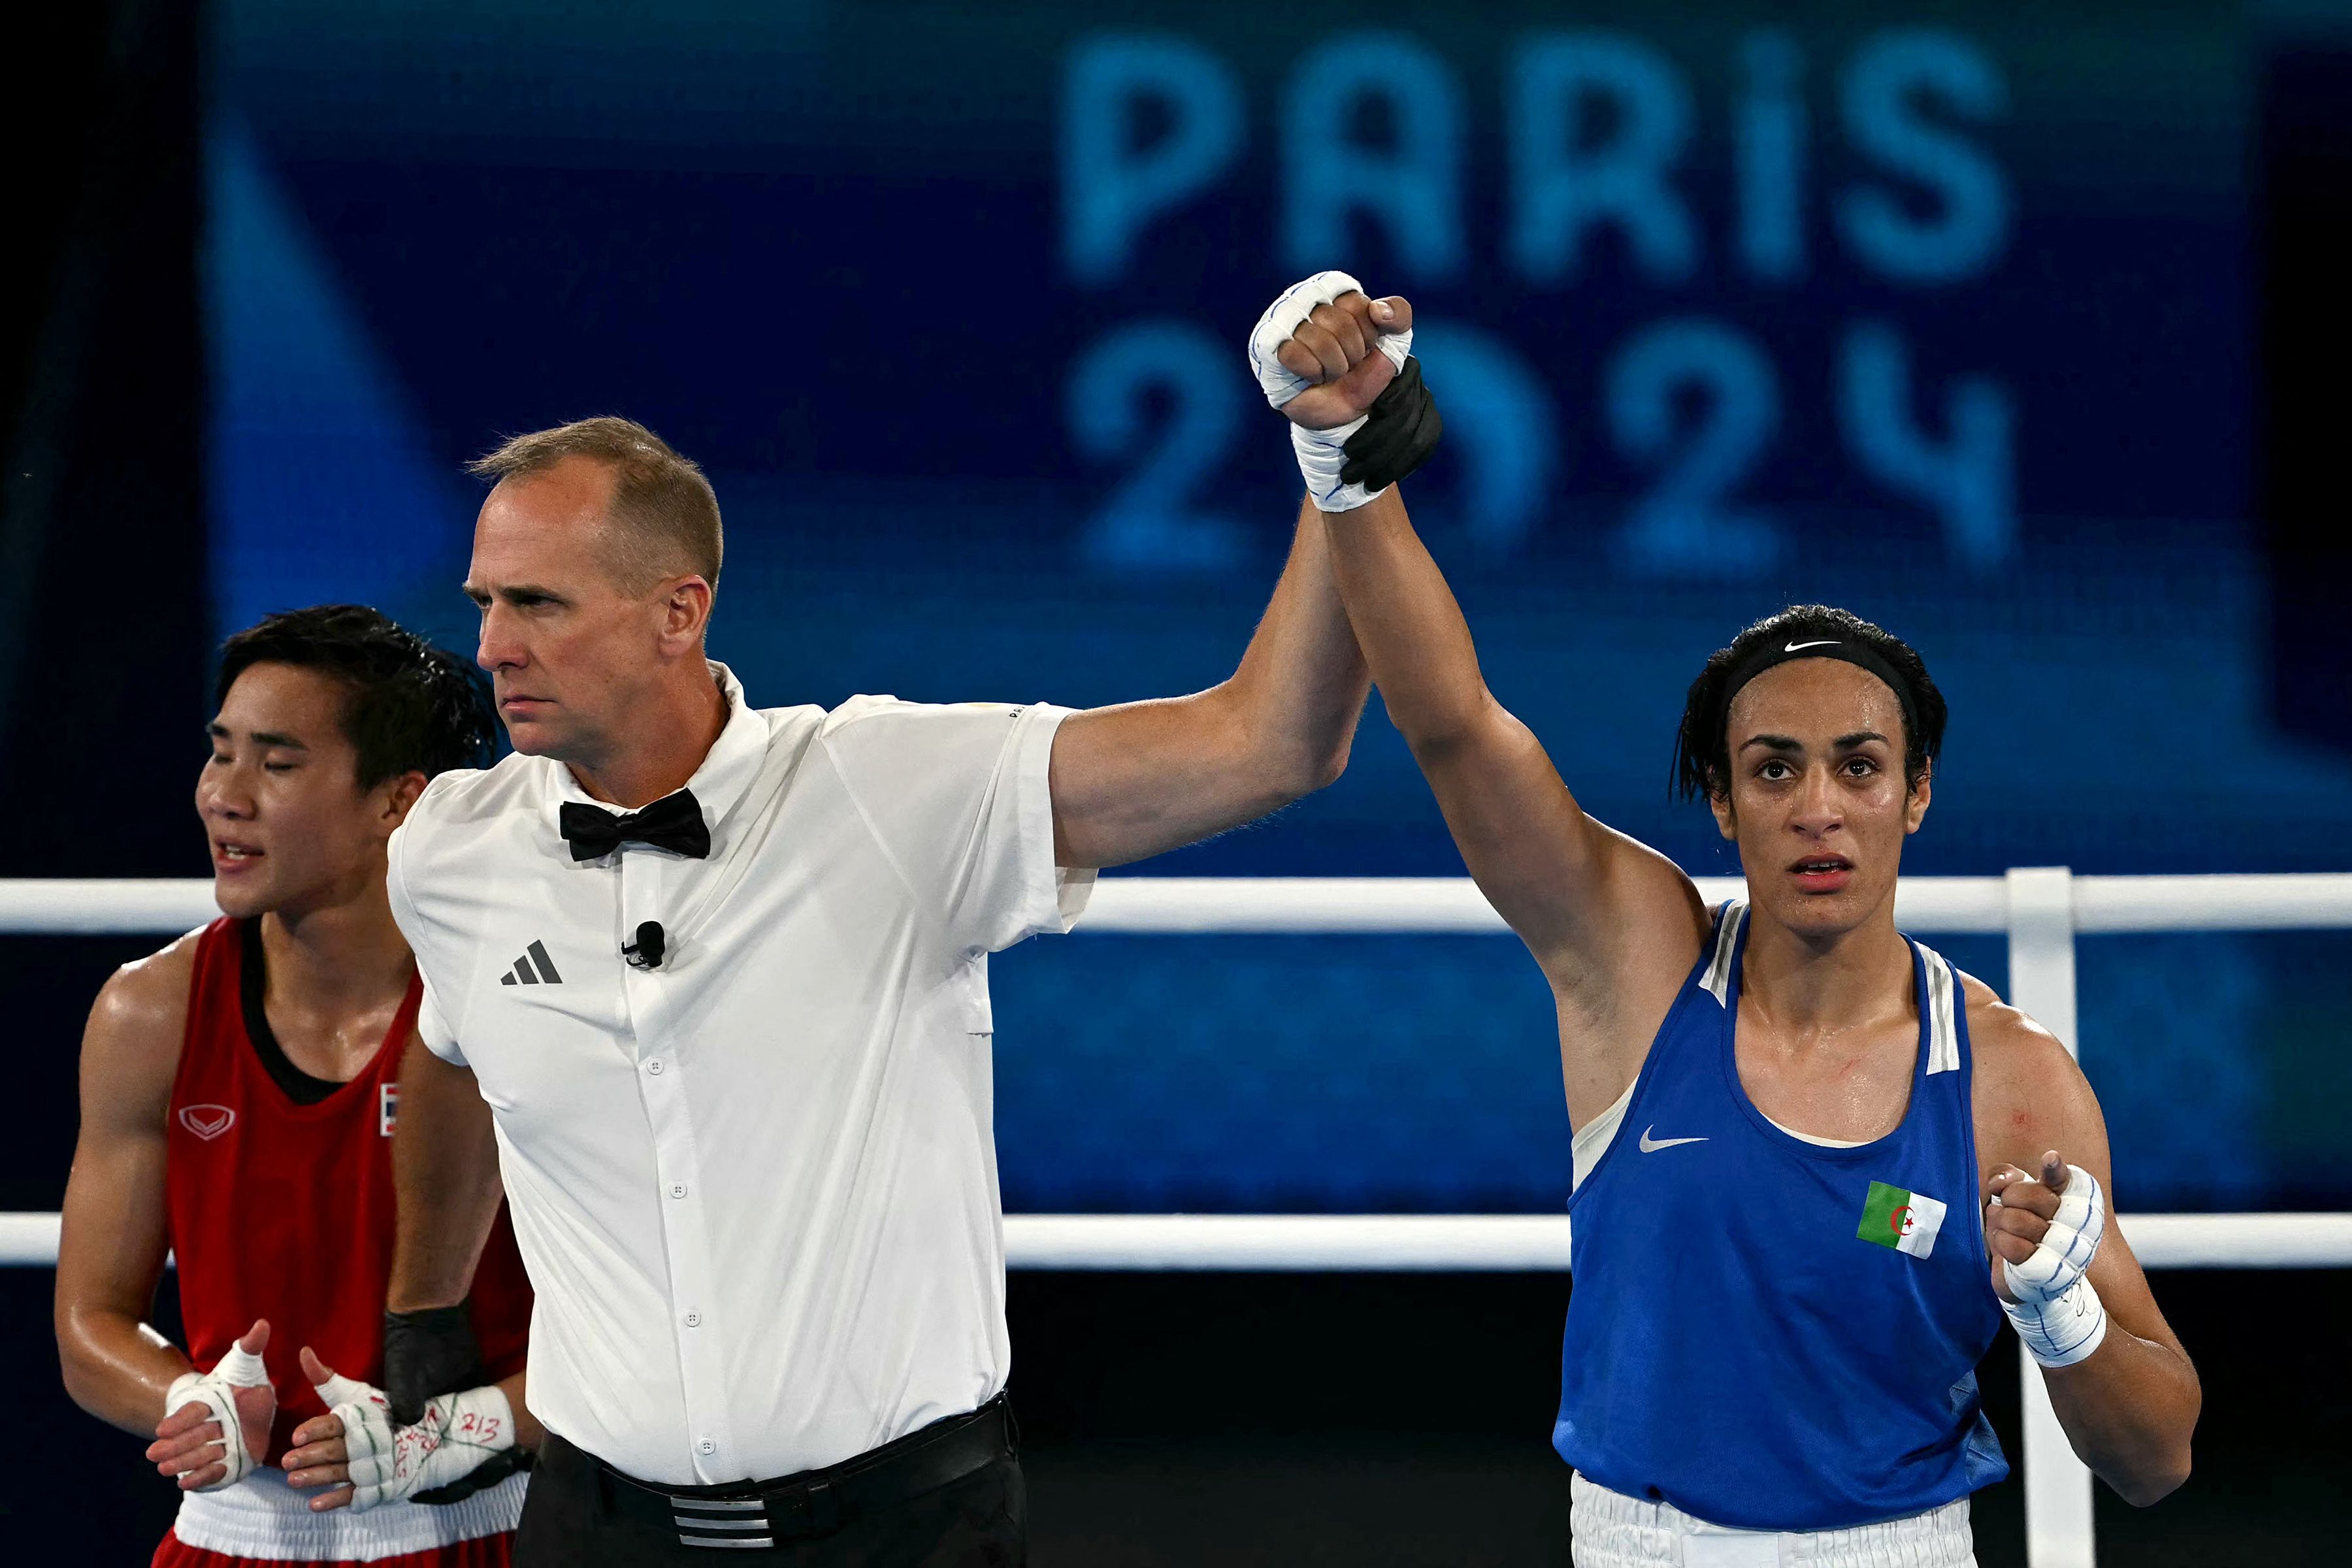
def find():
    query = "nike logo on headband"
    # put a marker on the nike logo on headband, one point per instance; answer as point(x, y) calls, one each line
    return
point(1800, 647)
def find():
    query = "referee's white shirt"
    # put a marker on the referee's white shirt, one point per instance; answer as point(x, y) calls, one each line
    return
point(755, 1187)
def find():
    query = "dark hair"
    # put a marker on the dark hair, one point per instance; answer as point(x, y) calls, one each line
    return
point(1703, 749)
point(663, 513)
point(412, 708)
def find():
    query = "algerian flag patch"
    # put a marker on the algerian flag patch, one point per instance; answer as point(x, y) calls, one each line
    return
point(1907, 1222)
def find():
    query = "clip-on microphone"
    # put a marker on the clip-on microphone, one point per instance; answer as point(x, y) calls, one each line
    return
point(645, 952)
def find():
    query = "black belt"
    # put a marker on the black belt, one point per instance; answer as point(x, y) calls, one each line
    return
point(744, 1514)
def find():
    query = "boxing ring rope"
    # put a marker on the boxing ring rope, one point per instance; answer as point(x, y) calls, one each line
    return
point(2040, 910)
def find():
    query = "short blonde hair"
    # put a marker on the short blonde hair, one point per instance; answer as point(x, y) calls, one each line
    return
point(665, 515)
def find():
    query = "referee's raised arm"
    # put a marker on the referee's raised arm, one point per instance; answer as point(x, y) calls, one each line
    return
point(706, 990)
point(1138, 779)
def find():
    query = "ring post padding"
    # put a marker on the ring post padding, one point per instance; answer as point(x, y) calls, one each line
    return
point(2058, 1513)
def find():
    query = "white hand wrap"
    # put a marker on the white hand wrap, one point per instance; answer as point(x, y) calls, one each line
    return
point(454, 1435)
point(2057, 1313)
point(1321, 453)
point(217, 1391)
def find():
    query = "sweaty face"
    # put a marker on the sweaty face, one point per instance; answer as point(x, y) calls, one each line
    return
point(568, 650)
point(1818, 804)
point(280, 797)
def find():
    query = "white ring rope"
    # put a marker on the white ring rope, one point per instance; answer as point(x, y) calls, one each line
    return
point(1331, 905)
point(1434, 905)
point(1455, 1243)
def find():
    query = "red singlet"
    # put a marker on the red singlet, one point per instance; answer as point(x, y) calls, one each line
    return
point(284, 1211)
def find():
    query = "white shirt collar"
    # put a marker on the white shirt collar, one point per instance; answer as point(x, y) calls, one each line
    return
point(719, 783)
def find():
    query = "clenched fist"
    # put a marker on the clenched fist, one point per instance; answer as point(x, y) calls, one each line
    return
point(1335, 351)
point(1338, 364)
point(2043, 1235)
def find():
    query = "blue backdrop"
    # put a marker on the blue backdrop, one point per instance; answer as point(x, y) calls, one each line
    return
point(1945, 321)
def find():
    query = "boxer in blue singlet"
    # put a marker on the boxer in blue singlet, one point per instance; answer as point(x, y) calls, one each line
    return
point(1783, 1108)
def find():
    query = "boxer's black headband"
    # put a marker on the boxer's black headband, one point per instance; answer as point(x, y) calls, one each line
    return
point(1702, 752)
point(1780, 652)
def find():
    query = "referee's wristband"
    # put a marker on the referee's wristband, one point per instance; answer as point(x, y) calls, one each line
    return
point(1346, 467)
point(1396, 437)
point(428, 1353)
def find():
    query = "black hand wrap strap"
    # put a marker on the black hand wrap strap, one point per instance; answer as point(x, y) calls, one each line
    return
point(429, 1352)
point(1398, 437)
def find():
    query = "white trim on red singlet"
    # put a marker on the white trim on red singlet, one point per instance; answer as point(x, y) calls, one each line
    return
point(263, 1517)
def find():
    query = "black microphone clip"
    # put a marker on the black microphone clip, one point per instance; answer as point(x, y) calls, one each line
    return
point(645, 952)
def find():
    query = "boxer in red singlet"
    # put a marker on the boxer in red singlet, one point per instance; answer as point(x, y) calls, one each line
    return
point(238, 1097)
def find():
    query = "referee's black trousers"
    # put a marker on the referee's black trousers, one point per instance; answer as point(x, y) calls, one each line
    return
point(580, 1514)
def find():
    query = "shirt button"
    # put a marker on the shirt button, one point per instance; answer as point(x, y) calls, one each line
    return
point(678, 1189)
point(706, 1446)
point(654, 1066)
point(694, 1320)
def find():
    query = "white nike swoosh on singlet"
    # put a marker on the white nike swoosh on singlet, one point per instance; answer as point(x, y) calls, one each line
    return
point(1792, 648)
point(1651, 1145)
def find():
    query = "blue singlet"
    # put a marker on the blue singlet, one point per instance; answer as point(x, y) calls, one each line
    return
point(1770, 1334)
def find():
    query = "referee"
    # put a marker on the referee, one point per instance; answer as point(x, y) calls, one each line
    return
point(707, 984)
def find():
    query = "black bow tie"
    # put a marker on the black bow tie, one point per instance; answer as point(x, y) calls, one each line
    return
point(674, 822)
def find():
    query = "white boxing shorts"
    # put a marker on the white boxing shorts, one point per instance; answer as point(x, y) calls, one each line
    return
point(1612, 1531)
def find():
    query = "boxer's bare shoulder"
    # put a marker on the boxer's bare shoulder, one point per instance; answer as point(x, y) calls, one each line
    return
point(2030, 1095)
point(137, 1024)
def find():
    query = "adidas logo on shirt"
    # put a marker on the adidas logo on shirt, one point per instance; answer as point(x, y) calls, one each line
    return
point(533, 968)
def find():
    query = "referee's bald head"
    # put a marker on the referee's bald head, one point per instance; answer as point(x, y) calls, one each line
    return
point(662, 520)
